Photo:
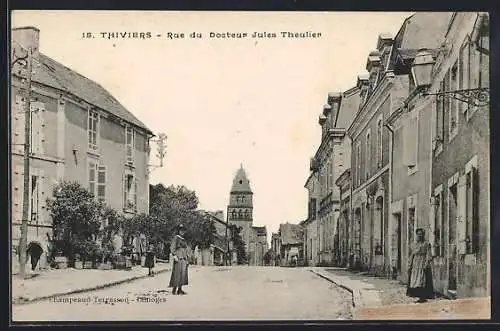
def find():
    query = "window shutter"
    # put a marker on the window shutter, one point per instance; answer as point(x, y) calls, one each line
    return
point(18, 125)
point(461, 215)
point(406, 142)
point(135, 193)
point(101, 183)
point(35, 127)
point(475, 208)
point(125, 191)
point(432, 225)
point(42, 197)
point(41, 128)
point(17, 193)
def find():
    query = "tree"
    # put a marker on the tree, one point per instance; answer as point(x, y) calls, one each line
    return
point(200, 230)
point(111, 226)
point(76, 217)
point(239, 244)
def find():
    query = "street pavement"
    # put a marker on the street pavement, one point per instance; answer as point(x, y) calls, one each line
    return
point(214, 293)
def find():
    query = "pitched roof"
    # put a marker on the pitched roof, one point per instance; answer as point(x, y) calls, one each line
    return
point(291, 234)
point(241, 182)
point(58, 76)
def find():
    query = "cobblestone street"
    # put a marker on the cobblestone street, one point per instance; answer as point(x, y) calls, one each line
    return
point(214, 293)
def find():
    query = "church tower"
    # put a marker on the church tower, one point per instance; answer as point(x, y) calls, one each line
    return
point(240, 208)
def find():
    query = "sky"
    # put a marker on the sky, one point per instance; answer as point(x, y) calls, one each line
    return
point(222, 102)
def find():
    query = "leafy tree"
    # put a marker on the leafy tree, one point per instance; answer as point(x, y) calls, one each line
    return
point(76, 217)
point(200, 230)
point(111, 226)
point(239, 244)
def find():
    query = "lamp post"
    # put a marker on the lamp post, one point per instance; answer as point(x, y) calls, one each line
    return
point(421, 70)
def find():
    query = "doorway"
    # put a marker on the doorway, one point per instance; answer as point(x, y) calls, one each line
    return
point(452, 226)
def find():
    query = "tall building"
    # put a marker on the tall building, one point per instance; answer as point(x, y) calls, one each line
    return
point(79, 133)
point(240, 208)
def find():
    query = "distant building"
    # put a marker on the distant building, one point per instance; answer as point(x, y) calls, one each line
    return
point(240, 213)
point(291, 243)
point(222, 250)
point(79, 132)
point(311, 224)
point(276, 249)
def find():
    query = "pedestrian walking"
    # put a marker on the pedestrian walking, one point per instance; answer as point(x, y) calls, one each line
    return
point(150, 260)
point(420, 273)
point(179, 250)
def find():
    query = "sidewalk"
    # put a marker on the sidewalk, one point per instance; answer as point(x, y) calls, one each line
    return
point(377, 298)
point(58, 282)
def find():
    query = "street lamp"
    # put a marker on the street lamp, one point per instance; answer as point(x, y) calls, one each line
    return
point(421, 70)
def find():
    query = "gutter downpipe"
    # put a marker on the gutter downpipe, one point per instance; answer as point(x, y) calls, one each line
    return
point(390, 217)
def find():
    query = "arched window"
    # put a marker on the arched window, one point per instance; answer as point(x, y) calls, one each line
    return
point(247, 214)
point(243, 199)
point(240, 213)
point(234, 213)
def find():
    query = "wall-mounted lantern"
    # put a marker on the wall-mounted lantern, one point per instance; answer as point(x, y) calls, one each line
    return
point(422, 68)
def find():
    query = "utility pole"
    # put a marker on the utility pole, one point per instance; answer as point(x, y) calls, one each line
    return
point(23, 242)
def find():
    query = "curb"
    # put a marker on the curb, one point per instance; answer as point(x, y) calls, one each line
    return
point(356, 294)
point(87, 289)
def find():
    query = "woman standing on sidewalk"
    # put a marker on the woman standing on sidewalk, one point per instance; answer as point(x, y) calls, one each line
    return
point(178, 248)
point(150, 260)
point(420, 272)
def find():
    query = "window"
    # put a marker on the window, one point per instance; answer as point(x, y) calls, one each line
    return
point(92, 176)
point(101, 183)
point(233, 213)
point(410, 142)
point(93, 129)
point(130, 192)
point(439, 121)
point(472, 206)
point(368, 154)
point(34, 199)
point(358, 163)
point(454, 104)
point(463, 72)
point(379, 141)
point(330, 175)
point(37, 128)
point(130, 139)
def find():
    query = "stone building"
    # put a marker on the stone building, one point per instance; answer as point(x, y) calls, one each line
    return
point(459, 222)
point(258, 245)
point(410, 140)
point(80, 132)
point(222, 250)
point(328, 162)
point(379, 95)
point(276, 249)
point(291, 243)
point(311, 224)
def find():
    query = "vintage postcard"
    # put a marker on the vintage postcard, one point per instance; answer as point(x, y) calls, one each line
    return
point(249, 166)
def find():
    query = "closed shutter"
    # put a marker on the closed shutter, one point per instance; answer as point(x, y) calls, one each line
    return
point(125, 205)
point(475, 208)
point(432, 225)
point(35, 127)
point(101, 183)
point(42, 197)
point(18, 125)
point(406, 142)
point(17, 193)
point(461, 215)
point(135, 193)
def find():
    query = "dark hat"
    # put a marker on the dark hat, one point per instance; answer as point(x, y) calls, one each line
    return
point(420, 230)
point(180, 227)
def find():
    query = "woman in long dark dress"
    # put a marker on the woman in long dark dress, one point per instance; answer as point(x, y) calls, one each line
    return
point(150, 260)
point(420, 271)
point(179, 250)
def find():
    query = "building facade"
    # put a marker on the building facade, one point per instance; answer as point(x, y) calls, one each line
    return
point(369, 160)
point(409, 128)
point(459, 221)
point(80, 133)
point(311, 224)
point(291, 243)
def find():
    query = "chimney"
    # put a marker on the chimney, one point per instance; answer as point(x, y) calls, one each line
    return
point(363, 85)
point(24, 38)
point(373, 67)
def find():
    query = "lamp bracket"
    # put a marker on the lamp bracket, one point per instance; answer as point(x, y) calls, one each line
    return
point(474, 97)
